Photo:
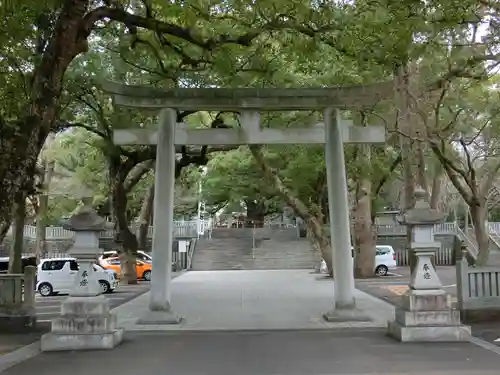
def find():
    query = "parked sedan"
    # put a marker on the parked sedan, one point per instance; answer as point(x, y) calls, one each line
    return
point(385, 260)
point(142, 269)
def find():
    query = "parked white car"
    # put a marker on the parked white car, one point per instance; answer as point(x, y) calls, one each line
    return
point(57, 275)
point(385, 260)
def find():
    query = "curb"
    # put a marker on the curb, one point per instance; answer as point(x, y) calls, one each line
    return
point(19, 355)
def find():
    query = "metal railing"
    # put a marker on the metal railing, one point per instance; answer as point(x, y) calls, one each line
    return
point(181, 229)
point(495, 238)
point(195, 229)
point(471, 246)
point(396, 229)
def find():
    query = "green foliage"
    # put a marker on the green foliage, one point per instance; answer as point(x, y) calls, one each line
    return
point(239, 44)
point(232, 177)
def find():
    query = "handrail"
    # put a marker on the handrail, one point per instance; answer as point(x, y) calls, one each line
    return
point(190, 253)
point(494, 237)
point(467, 240)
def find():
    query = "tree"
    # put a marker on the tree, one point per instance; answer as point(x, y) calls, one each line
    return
point(467, 119)
point(233, 177)
point(62, 32)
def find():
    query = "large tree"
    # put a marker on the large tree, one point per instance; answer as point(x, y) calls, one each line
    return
point(38, 58)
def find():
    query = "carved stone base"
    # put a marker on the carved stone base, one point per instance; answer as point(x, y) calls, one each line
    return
point(85, 323)
point(159, 318)
point(427, 318)
point(346, 315)
point(52, 342)
point(431, 300)
point(429, 333)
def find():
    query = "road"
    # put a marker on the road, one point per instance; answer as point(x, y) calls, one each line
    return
point(48, 308)
point(397, 282)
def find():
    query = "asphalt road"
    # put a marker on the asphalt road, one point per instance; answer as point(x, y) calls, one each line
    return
point(48, 308)
point(297, 352)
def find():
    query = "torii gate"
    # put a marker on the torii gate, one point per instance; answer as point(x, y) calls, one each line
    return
point(249, 102)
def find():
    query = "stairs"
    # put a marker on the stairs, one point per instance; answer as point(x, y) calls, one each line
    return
point(231, 249)
point(276, 254)
point(222, 254)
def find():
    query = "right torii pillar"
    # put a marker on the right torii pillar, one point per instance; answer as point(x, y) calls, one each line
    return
point(344, 308)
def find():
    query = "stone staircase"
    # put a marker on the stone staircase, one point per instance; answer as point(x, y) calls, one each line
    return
point(278, 254)
point(232, 249)
point(222, 254)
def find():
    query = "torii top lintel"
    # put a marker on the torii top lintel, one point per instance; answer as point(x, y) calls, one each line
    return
point(234, 99)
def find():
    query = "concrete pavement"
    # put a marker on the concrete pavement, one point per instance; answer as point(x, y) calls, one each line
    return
point(258, 299)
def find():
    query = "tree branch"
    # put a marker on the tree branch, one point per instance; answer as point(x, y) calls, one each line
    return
point(187, 34)
point(385, 177)
point(452, 173)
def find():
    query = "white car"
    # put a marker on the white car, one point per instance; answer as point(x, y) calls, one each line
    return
point(385, 260)
point(57, 275)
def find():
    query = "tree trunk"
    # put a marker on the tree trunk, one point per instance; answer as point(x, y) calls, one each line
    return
point(16, 250)
point(41, 212)
point(421, 167)
point(478, 217)
point(407, 146)
point(437, 187)
point(256, 212)
point(130, 183)
point(41, 240)
point(299, 208)
point(145, 217)
point(363, 231)
point(125, 237)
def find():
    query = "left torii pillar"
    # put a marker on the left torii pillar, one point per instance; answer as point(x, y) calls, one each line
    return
point(160, 309)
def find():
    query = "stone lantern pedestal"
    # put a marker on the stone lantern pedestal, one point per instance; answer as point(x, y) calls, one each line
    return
point(426, 314)
point(85, 321)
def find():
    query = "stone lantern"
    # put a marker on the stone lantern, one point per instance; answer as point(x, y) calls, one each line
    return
point(85, 321)
point(426, 314)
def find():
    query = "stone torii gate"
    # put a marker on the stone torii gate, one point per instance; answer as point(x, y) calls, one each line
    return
point(249, 103)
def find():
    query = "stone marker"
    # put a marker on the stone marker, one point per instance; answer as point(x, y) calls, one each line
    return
point(426, 314)
point(85, 321)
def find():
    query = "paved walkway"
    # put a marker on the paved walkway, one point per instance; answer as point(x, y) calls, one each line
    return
point(236, 300)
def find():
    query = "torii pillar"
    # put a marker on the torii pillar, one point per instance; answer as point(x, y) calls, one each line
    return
point(249, 102)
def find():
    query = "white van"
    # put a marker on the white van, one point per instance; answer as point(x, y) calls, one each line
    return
point(385, 260)
point(57, 275)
